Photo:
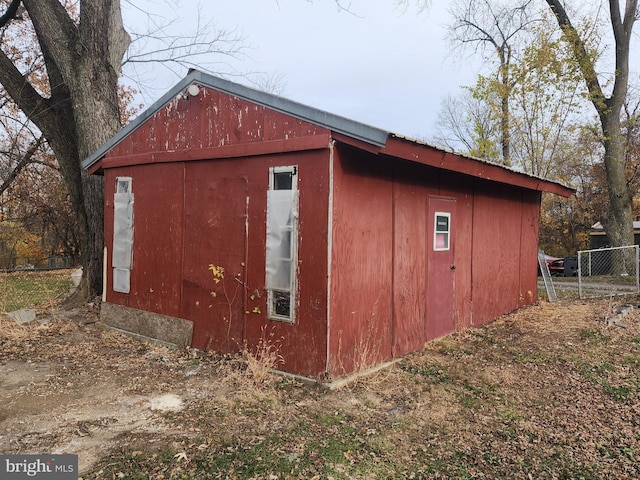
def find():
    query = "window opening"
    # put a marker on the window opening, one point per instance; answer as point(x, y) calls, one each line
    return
point(123, 185)
point(122, 253)
point(282, 180)
point(281, 243)
point(442, 231)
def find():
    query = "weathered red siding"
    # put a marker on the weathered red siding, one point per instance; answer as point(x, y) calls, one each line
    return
point(529, 244)
point(409, 260)
point(502, 273)
point(190, 214)
point(361, 262)
point(379, 273)
point(215, 218)
point(304, 343)
point(214, 213)
point(200, 170)
point(208, 120)
point(156, 279)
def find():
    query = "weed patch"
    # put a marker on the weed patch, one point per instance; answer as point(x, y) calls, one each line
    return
point(433, 372)
point(594, 336)
point(617, 382)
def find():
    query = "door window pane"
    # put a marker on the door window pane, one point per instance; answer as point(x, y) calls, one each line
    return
point(442, 231)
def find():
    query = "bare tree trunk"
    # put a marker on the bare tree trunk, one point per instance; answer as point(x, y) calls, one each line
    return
point(505, 116)
point(619, 224)
point(83, 61)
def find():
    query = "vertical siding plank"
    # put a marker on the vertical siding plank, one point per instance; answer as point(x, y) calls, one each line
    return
point(157, 245)
point(362, 263)
point(409, 262)
point(528, 253)
point(496, 252)
point(214, 234)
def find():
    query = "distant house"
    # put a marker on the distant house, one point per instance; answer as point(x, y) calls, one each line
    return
point(344, 244)
point(598, 236)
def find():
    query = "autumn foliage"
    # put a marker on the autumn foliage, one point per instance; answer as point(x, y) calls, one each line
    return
point(38, 225)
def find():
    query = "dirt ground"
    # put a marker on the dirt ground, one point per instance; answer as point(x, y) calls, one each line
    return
point(560, 380)
point(70, 386)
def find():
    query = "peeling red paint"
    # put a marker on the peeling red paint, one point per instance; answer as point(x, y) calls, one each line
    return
point(200, 170)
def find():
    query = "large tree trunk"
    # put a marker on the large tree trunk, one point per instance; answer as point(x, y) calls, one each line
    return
point(83, 61)
point(619, 223)
point(93, 188)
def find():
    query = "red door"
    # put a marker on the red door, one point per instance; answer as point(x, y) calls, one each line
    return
point(441, 267)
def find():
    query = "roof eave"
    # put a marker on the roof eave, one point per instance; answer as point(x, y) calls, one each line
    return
point(422, 152)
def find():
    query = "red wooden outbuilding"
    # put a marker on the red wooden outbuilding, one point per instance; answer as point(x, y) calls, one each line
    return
point(342, 244)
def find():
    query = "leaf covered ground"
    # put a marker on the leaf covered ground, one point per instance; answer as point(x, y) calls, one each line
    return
point(547, 392)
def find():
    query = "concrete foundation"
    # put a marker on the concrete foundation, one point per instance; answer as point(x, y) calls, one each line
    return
point(169, 330)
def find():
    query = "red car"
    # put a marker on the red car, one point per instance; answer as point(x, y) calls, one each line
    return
point(555, 264)
point(556, 267)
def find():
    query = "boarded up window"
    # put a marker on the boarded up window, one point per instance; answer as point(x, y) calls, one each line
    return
point(279, 230)
point(281, 243)
point(122, 254)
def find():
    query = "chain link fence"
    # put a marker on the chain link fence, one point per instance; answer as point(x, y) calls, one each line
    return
point(32, 288)
point(608, 271)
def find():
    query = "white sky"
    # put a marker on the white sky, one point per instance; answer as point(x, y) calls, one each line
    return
point(383, 67)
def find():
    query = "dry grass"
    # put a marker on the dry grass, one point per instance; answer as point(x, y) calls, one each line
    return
point(254, 367)
point(549, 392)
point(15, 332)
point(33, 289)
point(262, 361)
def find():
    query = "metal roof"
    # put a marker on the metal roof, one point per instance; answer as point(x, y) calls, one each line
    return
point(336, 123)
point(480, 160)
point(351, 128)
point(598, 228)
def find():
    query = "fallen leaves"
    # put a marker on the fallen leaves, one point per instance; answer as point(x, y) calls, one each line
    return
point(181, 456)
point(546, 392)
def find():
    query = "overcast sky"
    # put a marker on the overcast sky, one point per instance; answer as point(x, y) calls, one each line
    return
point(381, 66)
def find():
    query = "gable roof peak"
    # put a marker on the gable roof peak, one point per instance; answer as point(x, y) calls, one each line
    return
point(336, 123)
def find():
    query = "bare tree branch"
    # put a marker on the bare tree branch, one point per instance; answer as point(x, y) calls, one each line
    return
point(24, 161)
point(206, 47)
point(481, 23)
point(580, 52)
point(10, 14)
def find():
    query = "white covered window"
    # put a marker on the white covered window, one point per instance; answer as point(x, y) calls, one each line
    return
point(281, 243)
point(122, 254)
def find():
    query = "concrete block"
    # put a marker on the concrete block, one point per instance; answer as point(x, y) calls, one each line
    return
point(23, 316)
point(170, 330)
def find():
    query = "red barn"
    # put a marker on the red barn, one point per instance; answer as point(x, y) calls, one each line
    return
point(343, 244)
